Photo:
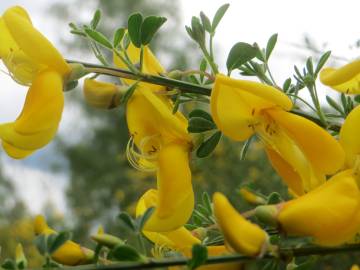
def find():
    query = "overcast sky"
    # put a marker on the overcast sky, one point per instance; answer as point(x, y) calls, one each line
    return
point(333, 22)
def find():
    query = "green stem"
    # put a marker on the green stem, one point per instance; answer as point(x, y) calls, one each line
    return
point(315, 99)
point(209, 60)
point(185, 87)
point(126, 61)
point(283, 253)
point(211, 47)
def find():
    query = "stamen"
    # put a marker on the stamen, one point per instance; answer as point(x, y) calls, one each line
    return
point(140, 160)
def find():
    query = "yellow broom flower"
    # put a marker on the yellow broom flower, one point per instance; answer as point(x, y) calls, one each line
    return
point(300, 151)
point(31, 60)
point(160, 142)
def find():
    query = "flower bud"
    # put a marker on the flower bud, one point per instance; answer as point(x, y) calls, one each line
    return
point(20, 256)
point(251, 197)
point(102, 95)
point(107, 240)
point(267, 214)
point(77, 71)
point(243, 236)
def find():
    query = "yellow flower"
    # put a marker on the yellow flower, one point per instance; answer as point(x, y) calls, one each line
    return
point(31, 60)
point(241, 235)
point(160, 142)
point(355, 267)
point(344, 79)
point(349, 139)
point(330, 213)
point(102, 95)
point(300, 151)
point(70, 253)
point(251, 197)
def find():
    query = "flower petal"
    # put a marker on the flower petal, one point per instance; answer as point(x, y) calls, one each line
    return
point(317, 214)
point(242, 235)
point(236, 104)
point(33, 43)
point(344, 79)
point(349, 139)
point(286, 171)
point(320, 148)
point(40, 117)
point(175, 198)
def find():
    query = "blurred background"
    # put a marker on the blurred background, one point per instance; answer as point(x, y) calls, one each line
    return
point(82, 179)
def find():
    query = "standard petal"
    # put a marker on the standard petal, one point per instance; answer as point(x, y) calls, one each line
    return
point(242, 235)
point(320, 148)
point(236, 105)
point(40, 117)
point(175, 194)
point(33, 43)
point(317, 214)
point(349, 139)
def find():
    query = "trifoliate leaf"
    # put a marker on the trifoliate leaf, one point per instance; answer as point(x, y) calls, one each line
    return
point(96, 19)
point(270, 45)
point(118, 36)
point(199, 124)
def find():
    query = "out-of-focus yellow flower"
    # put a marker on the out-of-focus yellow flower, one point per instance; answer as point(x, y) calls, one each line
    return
point(330, 213)
point(160, 142)
point(20, 256)
point(31, 60)
point(70, 253)
point(345, 79)
point(251, 197)
point(300, 151)
point(102, 95)
point(349, 139)
point(355, 267)
point(240, 234)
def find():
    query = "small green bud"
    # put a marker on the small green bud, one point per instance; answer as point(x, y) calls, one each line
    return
point(107, 240)
point(199, 233)
point(77, 71)
point(267, 214)
point(175, 74)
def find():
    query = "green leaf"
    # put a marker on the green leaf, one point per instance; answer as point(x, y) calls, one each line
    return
point(128, 93)
point(190, 32)
point(199, 124)
point(199, 256)
point(126, 41)
point(134, 28)
point(309, 66)
point(118, 36)
point(200, 113)
point(145, 217)
point(357, 98)
point(323, 59)
point(206, 201)
point(41, 244)
point(334, 104)
point(239, 54)
point(205, 22)
point(96, 19)
point(208, 146)
point(218, 16)
point(125, 253)
point(98, 37)
point(8, 264)
point(198, 31)
point(286, 84)
point(59, 240)
point(149, 28)
point(270, 45)
point(127, 220)
point(274, 198)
